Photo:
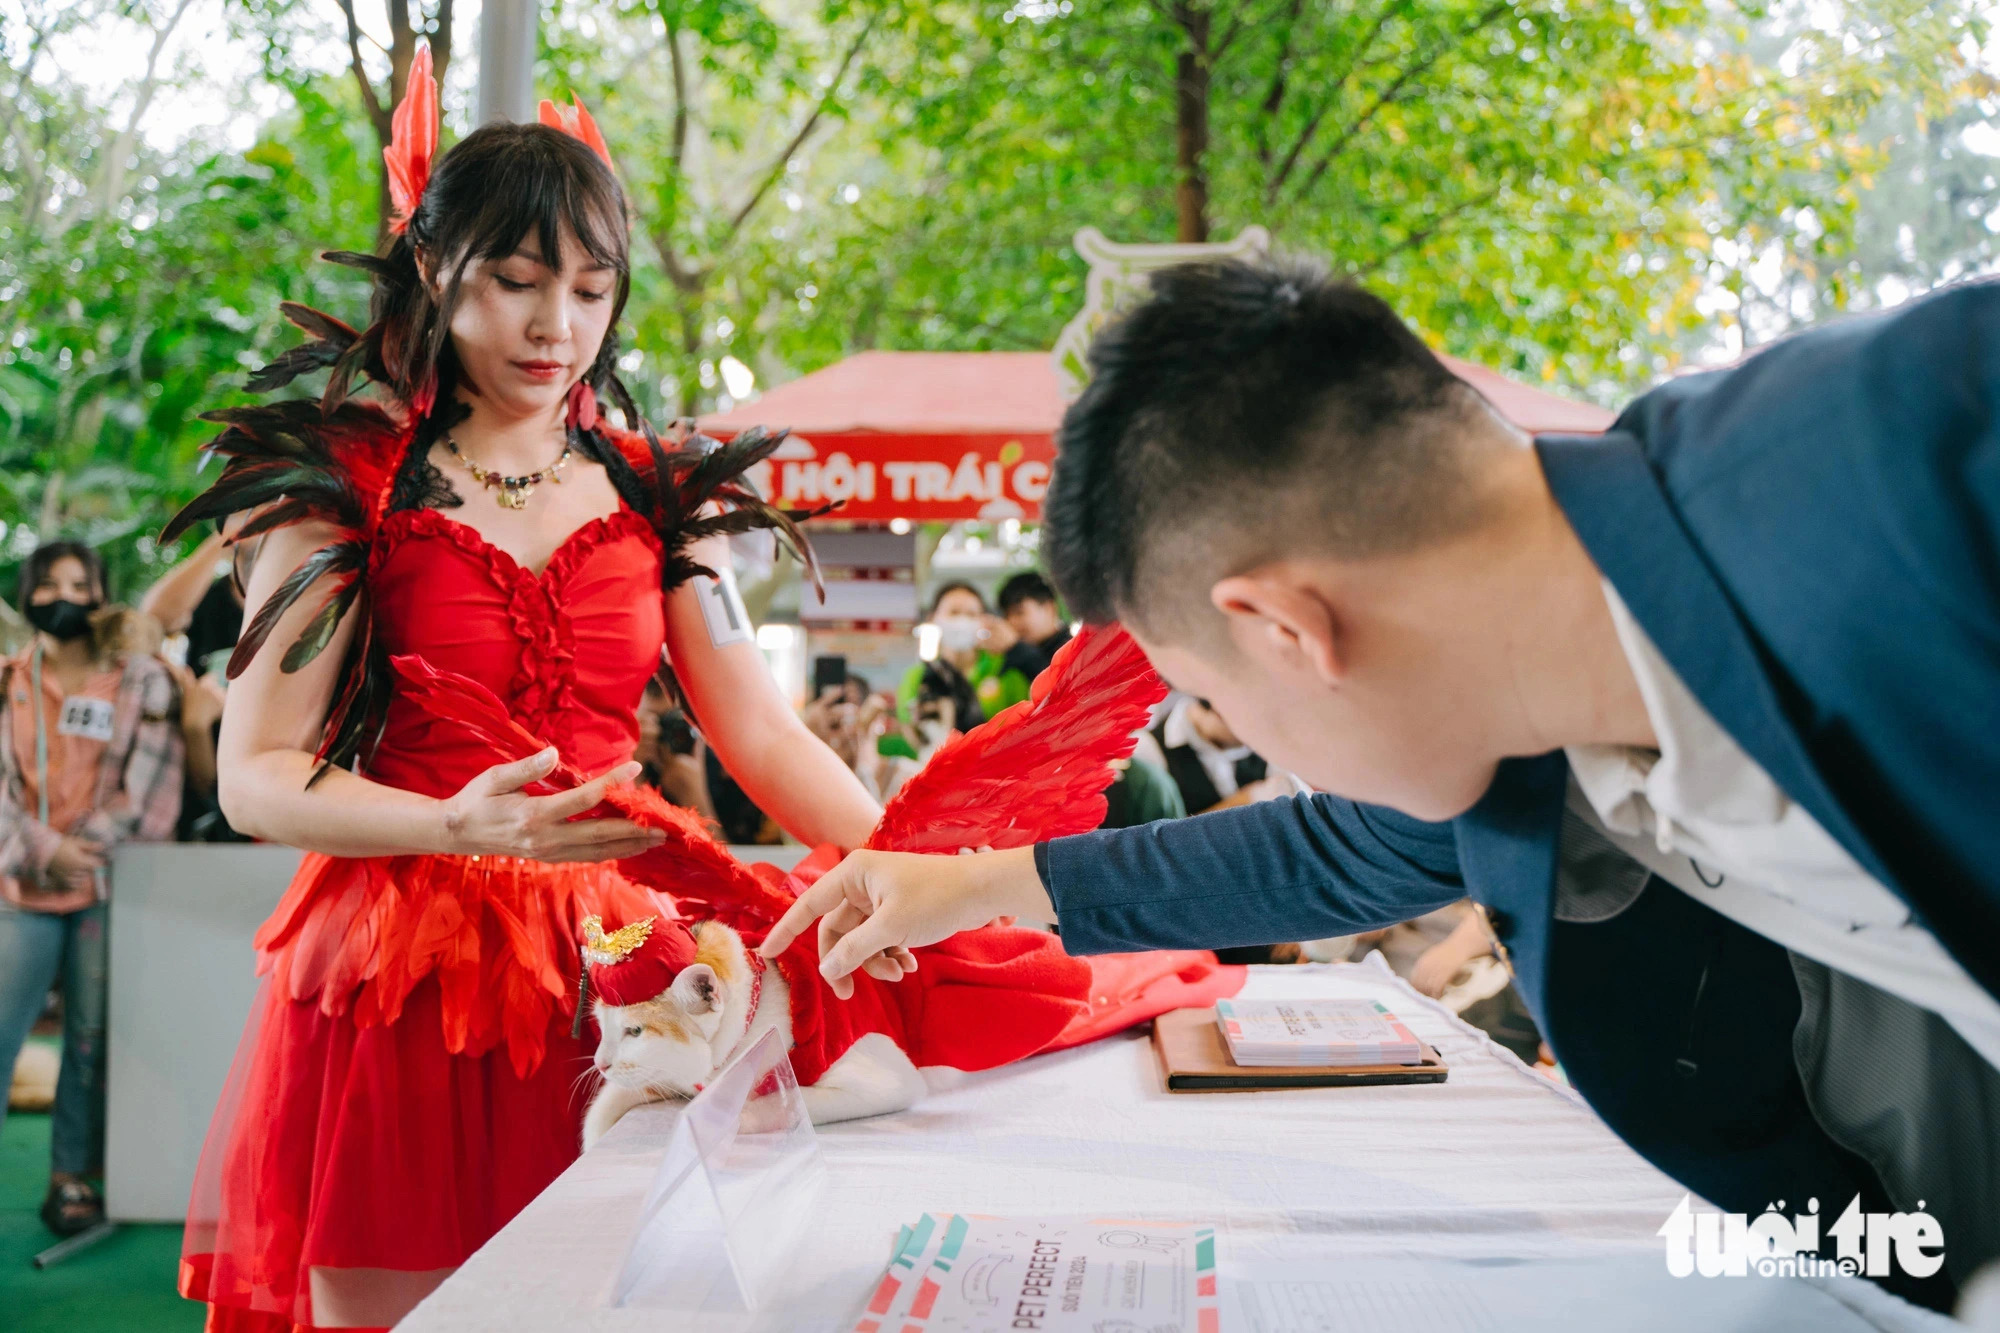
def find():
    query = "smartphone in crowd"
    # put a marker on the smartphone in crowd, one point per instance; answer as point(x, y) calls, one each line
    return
point(829, 673)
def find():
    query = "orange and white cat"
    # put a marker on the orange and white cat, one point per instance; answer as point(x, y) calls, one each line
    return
point(672, 1045)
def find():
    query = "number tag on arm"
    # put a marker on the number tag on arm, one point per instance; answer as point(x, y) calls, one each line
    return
point(85, 717)
point(722, 610)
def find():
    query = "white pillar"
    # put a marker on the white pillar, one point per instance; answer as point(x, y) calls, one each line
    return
point(508, 30)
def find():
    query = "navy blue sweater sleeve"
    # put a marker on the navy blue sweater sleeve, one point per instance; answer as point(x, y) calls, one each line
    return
point(1301, 869)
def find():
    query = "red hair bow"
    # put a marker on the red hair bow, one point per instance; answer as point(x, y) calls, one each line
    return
point(574, 121)
point(414, 141)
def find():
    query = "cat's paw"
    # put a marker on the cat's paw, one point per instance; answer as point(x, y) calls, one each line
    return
point(613, 1100)
point(873, 1078)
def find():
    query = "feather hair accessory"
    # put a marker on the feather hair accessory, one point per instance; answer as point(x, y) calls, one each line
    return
point(413, 141)
point(336, 459)
point(575, 121)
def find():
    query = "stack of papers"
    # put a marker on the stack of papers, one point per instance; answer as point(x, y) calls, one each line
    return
point(1319, 1033)
point(964, 1274)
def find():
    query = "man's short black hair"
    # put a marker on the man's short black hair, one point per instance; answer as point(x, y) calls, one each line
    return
point(1026, 586)
point(1242, 412)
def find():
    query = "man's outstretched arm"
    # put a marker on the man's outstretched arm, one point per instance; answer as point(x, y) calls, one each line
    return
point(1260, 874)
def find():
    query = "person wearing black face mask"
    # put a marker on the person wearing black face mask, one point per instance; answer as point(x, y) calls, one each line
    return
point(63, 620)
point(90, 755)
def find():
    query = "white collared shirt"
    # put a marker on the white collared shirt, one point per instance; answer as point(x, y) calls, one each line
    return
point(1705, 817)
point(1218, 763)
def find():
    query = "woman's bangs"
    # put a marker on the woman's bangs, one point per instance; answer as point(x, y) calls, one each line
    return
point(549, 195)
point(598, 219)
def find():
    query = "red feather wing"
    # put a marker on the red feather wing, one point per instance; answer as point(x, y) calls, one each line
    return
point(1040, 768)
point(450, 697)
point(694, 869)
point(690, 866)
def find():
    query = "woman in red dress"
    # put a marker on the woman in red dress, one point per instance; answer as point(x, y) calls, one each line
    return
point(408, 1079)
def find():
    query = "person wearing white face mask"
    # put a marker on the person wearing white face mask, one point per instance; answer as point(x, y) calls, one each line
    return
point(969, 668)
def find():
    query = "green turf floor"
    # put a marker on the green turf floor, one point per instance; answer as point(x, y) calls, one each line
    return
point(124, 1283)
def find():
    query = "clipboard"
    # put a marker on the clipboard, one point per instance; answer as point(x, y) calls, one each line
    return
point(1193, 1058)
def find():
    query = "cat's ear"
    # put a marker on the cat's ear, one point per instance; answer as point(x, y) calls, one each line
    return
point(698, 989)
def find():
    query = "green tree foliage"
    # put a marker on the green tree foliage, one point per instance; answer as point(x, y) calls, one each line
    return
point(1581, 191)
point(136, 299)
point(1538, 183)
point(718, 112)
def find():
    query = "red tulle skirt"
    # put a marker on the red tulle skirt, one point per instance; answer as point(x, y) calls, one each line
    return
point(406, 1084)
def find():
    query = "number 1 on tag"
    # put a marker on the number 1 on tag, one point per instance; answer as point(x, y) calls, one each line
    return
point(722, 609)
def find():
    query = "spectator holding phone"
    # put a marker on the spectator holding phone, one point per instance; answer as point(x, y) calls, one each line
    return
point(969, 668)
point(90, 756)
point(192, 599)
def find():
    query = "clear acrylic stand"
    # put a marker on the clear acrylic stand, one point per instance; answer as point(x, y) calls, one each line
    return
point(732, 1197)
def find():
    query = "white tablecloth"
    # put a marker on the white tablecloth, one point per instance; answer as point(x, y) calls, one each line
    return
point(1497, 1163)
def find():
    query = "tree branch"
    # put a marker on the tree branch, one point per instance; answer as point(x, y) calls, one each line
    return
point(402, 51)
point(687, 278)
point(1422, 235)
point(1388, 11)
point(1274, 97)
point(1229, 36)
point(111, 175)
point(376, 115)
point(675, 60)
point(26, 82)
point(1395, 89)
point(441, 40)
point(778, 163)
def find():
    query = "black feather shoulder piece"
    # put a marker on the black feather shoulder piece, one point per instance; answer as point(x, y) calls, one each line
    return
point(336, 459)
point(700, 489)
point(329, 460)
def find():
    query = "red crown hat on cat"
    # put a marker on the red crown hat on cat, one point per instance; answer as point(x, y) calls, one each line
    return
point(638, 962)
point(414, 140)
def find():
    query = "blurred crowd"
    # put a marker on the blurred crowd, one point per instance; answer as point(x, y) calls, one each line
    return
point(108, 735)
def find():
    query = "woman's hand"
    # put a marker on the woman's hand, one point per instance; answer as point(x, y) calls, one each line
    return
point(491, 817)
point(75, 862)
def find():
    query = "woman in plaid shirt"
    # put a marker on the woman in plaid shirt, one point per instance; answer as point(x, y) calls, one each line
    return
point(90, 755)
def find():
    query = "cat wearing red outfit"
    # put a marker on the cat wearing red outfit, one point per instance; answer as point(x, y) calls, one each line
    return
point(408, 1078)
point(677, 1001)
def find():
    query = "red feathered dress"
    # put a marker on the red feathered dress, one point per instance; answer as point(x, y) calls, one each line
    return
point(981, 998)
point(407, 1081)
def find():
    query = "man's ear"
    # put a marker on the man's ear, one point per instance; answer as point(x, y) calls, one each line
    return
point(1275, 614)
point(697, 988)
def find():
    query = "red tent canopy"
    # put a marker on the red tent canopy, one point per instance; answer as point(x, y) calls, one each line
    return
point(951, 435)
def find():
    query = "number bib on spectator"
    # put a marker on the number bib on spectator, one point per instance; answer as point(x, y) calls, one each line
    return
point(86, 717)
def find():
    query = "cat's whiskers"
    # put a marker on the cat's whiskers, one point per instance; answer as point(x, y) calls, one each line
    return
point(586, 1081)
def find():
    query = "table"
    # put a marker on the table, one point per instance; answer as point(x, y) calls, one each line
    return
point(1499, 1162)
point(183, 975)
